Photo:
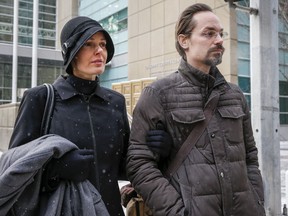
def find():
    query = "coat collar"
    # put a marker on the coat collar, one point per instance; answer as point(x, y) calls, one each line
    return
point(199, 78)
point(66, 91)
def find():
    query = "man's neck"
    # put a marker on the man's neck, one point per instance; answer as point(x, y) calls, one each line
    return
point(200, 67)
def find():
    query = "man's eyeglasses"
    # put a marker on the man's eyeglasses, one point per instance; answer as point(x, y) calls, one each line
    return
point(214, 34)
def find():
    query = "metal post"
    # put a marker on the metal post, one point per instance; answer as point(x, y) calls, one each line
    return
point(15, 52)
point(35, 44)
point(265, 98)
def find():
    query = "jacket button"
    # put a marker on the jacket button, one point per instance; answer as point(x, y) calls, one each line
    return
point(222, 174)
point(213, 135)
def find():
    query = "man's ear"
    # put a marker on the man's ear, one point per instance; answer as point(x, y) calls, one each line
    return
point(183, 41)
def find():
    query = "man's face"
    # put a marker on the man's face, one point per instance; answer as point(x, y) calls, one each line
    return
point(204, 46)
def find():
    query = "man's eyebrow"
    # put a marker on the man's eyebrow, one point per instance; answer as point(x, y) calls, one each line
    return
point(212, 28)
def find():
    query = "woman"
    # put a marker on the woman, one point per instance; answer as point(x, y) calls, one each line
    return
point(92, 117)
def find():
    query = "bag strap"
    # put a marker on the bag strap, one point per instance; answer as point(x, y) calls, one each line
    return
point(48, 110)
point(193, 138)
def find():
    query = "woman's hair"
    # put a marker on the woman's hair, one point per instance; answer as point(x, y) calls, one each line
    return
point(186, 23)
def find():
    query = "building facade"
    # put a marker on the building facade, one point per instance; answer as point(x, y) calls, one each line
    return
point(152, 53)
point(49, 60)
point(113, 16)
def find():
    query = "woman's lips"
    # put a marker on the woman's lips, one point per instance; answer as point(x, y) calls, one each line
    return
point(97, 62)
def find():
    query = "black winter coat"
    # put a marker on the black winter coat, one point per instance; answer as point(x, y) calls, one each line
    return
point(96, 122)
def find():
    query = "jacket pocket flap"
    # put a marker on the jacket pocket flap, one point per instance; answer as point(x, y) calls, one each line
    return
point(231, 112)
point(188, 116)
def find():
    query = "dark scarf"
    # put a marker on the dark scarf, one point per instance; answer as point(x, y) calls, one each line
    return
point(86, 87)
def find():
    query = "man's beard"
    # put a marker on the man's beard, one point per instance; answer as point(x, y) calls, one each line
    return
point(213, 61)
point(216, 58)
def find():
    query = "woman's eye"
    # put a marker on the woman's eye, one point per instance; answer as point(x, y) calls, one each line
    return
point(102, 45)
point(88, 44)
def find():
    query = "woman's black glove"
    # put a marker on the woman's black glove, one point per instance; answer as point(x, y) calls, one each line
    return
point(74, 166)
point(159, 141)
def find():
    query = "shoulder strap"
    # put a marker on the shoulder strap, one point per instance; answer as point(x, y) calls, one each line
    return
point(48, 110)
point(192, 139)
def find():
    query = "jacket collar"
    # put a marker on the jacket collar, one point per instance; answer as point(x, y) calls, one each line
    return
point(66, 90)
point(199, 78)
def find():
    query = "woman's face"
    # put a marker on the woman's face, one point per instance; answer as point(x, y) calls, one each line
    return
point(91, 58)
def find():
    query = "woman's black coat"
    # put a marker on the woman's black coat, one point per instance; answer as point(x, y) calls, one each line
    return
point(96, 122)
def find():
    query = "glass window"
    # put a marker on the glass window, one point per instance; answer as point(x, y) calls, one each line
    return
point(244, 84)
point(25, 40)
point(5, 94)
point(25, 13)
point(47, 2)
point(243, 33)
point(6, 11)
point(116, 22)
point(7, 75)
point(24, 76)
point(47, 9)
point(6, 19)
point(244, 58)
point(284, 104)
point(26, 5)
point(45, 16)
point(243, 67)
point(6, 38)
point(284, 118)
point(283, 88)
point(48, 74)
point(7, 3)
point(47, 25)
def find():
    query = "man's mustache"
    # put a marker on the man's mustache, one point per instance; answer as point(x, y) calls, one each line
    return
point(218, 47)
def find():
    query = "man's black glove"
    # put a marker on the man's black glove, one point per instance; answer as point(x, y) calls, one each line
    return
point(159, 141)
point(74, 166)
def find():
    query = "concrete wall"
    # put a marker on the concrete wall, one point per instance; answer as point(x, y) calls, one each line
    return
point(8, 113)
point(65, 11)
point(151, 42)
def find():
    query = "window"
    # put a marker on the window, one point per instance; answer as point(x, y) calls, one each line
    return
point(116, 22)
point(283, 64)
point(244, 59)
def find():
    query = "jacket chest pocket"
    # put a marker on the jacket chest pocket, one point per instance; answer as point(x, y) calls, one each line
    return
point(183, 121)
point(231, 124)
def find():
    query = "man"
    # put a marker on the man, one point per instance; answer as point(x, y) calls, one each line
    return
point(220, 175)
